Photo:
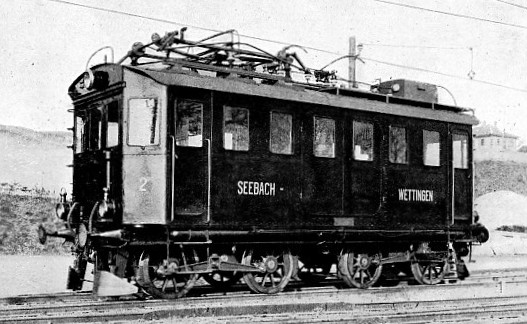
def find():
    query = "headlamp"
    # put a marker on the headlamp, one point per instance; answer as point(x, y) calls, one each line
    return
point(105, 210)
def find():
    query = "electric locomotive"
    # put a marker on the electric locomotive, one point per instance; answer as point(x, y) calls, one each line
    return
point(219, 160)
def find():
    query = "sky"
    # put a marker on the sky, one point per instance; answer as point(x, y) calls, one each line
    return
point(46, 44)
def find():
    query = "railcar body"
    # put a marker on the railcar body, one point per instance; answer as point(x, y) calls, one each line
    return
point(189, 169)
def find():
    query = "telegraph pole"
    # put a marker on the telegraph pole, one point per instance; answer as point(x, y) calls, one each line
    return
point(352, 62)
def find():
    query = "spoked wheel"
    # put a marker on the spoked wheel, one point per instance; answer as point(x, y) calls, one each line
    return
point(360, 270)
point(223, 279)
point(167, 278)
point(276, 271)
point(429, 272)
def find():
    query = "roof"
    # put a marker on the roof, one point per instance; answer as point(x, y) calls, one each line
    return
point(486, 130)
point(377, 103)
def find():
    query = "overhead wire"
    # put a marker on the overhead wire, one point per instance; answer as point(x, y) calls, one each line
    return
point(321, 50)
point(512, 4)
point(451, 14)
point(443, 74)
point(178, 24)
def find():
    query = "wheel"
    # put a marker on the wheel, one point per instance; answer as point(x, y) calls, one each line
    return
point(360, 270)
point(166, 278)
point(429, 272)
point(277, 270)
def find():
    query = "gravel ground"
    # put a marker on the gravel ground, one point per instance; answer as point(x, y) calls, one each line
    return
point(22, 275)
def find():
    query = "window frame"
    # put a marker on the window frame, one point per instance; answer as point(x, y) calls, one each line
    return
point(291, 133)
point(314, 140)
point(176, 119)
point(248, 129)
point(439, 150)
point(466, 164)
point(354, 122)
point(157, 122)
point(406, 145)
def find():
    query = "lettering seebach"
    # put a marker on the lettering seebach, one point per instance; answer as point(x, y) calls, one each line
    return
point(256, 188)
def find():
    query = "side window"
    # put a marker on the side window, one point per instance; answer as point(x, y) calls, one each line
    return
point(398, 145)
point(80, 132)
point(431, 148)
point(95, 131)
point(460, 147)
point(235, 128)
point(143, 122)
point(189, 123)
point(362, 141)
point(281, 133)
point(324, 137)
point(112, 130)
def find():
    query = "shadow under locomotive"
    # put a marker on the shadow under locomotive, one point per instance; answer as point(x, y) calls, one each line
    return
point(223, 165)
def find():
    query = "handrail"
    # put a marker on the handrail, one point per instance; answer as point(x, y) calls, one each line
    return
point(209, 174)
point(172, 176)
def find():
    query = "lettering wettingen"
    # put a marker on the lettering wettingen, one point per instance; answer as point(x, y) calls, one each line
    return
point(416, 195)
point(256, 188)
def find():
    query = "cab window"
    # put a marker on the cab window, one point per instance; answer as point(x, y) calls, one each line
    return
point(431, 148)
point(398, 151)
point(235, 128)
point(324, 137)
point(112, 129)
point(189, 123)
point(460, 147)
point(80, 131)
point(362, 141)
point(95, 128)
point(143, 122)
point(281, 133)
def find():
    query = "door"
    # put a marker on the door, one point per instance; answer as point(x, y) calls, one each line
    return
point(322, 158)
point(462, 176)
point(189, 147)
point(144, 162)
point(363, 172)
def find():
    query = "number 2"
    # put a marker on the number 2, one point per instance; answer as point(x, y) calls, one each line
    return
point(144, 182)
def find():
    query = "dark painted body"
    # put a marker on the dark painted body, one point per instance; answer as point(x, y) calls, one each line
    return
point(308, 192)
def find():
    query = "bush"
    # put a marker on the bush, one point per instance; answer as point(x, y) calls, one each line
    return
point(513, 228)
point(20, 217)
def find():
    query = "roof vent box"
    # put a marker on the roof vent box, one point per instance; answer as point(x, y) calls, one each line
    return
point(409, 89)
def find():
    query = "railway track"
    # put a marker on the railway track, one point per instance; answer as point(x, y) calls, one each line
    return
point(486, 295)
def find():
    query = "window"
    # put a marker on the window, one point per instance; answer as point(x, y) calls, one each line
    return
point(482, 142)
point(189, 123)
point(460, 147)
point(80, 132)
point(324, 137)
point(281, 133)
point(95, 128)
point(143, 122)
point(235, 128)
point(112, 131)
point(362, 141)
point(431, 148)
point(398, 145)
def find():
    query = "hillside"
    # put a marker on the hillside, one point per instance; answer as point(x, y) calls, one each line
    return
point(20, 217)
point(35, 159)
point(491, 176)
